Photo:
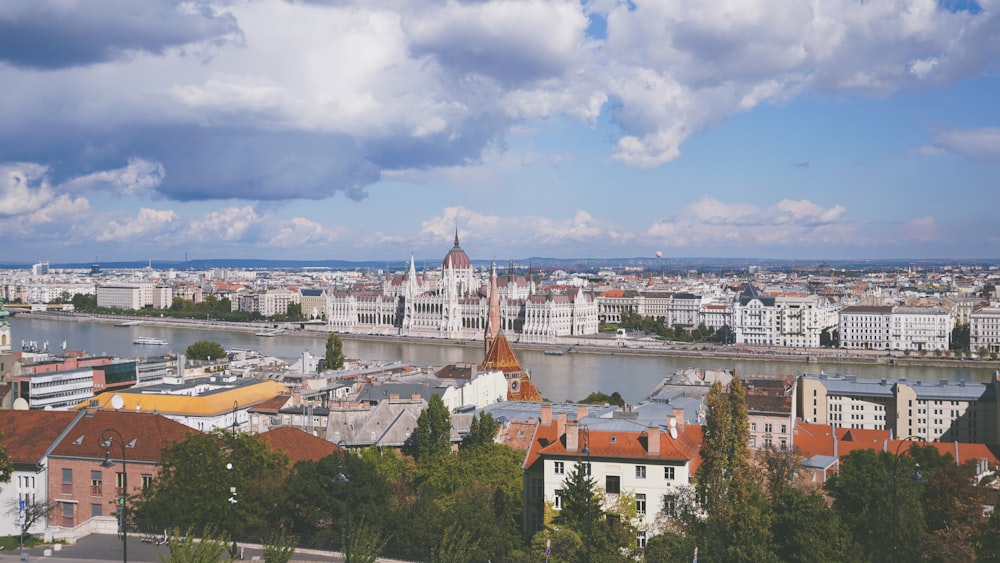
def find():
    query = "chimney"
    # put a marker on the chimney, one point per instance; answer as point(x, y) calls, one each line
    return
point(572, 437)
point(581, 412)
point(679, 414)
point(416, 397)
point(546, 414)
point(560, 423)
point(653, 439)
point(393, 397)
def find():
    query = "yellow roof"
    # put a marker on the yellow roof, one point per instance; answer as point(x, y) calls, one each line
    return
point(205, 405)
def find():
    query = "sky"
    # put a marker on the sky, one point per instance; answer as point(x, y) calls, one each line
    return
point(373, 129)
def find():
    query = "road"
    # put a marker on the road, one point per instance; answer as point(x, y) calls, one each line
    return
point(103, 547)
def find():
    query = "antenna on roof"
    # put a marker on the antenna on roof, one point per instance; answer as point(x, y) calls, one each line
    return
point(673, 428)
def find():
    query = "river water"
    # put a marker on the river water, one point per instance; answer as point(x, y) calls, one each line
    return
point(560, 378)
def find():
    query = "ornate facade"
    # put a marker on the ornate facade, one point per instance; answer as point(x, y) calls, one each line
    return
point(457, 305)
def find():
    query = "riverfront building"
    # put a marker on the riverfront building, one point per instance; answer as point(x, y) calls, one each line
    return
point(947, 411)
point(456, 305)
point(984, 330)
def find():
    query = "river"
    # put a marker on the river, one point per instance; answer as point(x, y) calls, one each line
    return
point(560, 378)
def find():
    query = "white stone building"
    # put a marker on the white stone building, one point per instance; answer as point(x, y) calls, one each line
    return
point(984, 330)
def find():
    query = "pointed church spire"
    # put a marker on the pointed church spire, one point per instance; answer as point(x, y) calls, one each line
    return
point(456, 234)
point(493, 313)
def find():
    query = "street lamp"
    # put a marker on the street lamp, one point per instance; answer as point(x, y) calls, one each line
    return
point(590, 500)
point(342, 479)
point(231, 466)
point(107, 437)
point(916, 478)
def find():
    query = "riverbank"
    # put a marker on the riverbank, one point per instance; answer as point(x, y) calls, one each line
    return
point(597, 344)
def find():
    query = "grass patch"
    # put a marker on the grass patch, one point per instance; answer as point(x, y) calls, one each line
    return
point(11, 543)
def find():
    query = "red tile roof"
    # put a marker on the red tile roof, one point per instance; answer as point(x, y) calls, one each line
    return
point(146, 435)
point(28, 434)
point(618, 444)
point(297, 444)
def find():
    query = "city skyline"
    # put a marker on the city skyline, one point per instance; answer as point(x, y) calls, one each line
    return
point(373, 130)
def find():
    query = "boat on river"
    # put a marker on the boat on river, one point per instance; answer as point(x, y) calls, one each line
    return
point(148, 340)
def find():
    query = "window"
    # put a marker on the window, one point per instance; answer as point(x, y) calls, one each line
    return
point(559, 468)
point(669, 505)
point(613, 484)
point(120, 484)
point(586, 468)
point(67, 511)
point(537, 489)
point(784, 429)
point(640, 471)
point(640, 539)
point(95, 510)
point(147, 481)
point(668, 473)
point(753, 426)
point(67, 481)
point(557, 502)
point(95, 483)
point(640, 504)
point(768, 428)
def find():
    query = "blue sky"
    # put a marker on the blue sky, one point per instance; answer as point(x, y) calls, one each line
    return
point(372, 129)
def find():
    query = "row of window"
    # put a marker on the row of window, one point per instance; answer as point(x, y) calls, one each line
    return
point(559, 468)
point(97, 481)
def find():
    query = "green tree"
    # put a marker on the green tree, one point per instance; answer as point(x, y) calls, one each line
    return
point(432, 435)
point(205, 349)
point(211, 547)
point(581, 505)
point(334, 352)
point(317, 504)
point(195, 476)
point(482, 430)
point(807, 530)
point(294, 311)
point(278, 546)
point(863, 493)
point(779, 468)
point(960, 338)
point(953, 501)
point(478, 491)
point(565, 546)
point(599, 398)
point(737, 526)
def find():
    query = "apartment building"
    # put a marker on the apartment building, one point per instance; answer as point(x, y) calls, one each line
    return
point(865, 327)
point(941, 410)
point(920, 329)
point(984, 330)
point(624, 456)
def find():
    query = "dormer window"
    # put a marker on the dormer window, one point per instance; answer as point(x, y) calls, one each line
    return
point(613, 439)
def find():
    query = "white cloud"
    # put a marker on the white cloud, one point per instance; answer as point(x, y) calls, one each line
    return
point(787, 223)
point(24, 188)
point(139, 177)
point(981, 143)
point(230, 224)
point(923, 229)
point(147, 224)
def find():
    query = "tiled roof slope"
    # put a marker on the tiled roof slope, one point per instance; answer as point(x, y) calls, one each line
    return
point(27, 435)
point(613, 444)
point(146, 435)
point(297, 444)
